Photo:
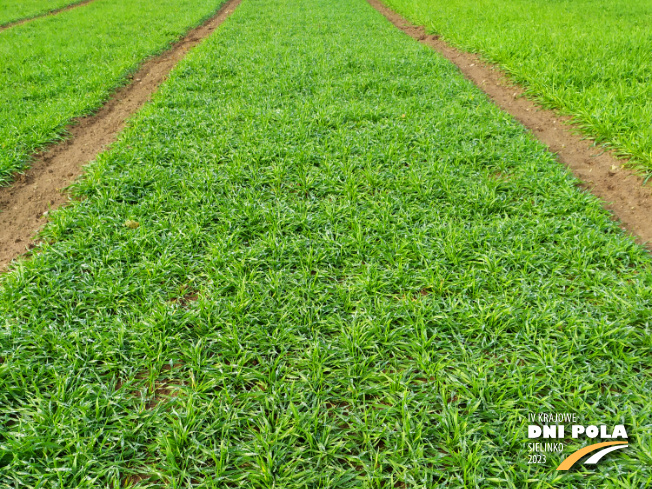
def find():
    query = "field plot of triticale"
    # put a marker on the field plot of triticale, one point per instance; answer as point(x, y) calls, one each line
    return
point(12, 11)
point(321, 258)
point(64, 66)
point(591, 59)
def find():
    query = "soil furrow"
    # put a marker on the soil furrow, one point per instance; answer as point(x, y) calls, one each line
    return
point(622, 191)
point(44, 14)
point(37, 191)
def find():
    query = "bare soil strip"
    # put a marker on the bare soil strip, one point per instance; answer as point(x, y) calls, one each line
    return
point(623, 192)
point(45, 14)
point(24, 205)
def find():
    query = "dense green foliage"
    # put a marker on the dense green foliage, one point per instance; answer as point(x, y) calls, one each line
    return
point(12, 10)
point(321, 258)
point(592, 59)
point(64, 66)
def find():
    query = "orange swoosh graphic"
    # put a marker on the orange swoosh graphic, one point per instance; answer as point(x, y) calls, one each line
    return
point(575, 456)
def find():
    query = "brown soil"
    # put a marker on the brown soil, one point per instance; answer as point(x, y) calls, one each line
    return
point(24, 206)
point(51, 12)
point(622, 191)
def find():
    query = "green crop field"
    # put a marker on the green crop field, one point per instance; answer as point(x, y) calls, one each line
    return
point(12, 10)
point(591, 59)
point(321, 258)
point(48, 76)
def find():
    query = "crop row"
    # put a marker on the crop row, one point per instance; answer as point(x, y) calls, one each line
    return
point(57, 68)
point(12, 11)
point(320, 258)
point(589, 58)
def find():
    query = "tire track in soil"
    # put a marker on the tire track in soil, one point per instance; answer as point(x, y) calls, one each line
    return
point(41, 188)
point(622, 192)
point(45, 14)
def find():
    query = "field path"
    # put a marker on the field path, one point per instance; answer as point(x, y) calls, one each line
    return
point(44, 14)
point(623, 192)
point(39, 189)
